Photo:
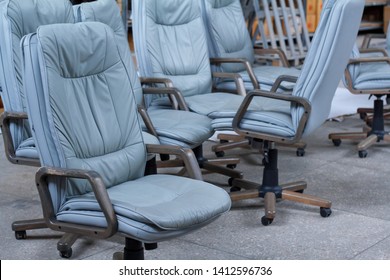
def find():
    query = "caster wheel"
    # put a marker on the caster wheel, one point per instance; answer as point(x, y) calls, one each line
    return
point(235, 189)
point(266, 221)
point(220, 154)
point(66, 254)
point(363, 154)
point(363, 116)
point(300, 152)
point(222, 141)
point(325, 212)
point(20, 234)
point(299, 191)
point(231, 166)
point(336, 142)
point(230, 181)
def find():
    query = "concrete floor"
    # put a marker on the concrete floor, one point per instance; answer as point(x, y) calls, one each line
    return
point(359, 227)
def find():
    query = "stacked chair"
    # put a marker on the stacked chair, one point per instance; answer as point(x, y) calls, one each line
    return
point(371, 76)
point(93, 182)
point(171, 126)
point(282, 24)
point(310, 104)
point(18, 18)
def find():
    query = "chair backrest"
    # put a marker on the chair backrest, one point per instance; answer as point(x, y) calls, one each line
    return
point(170, 41)
point(18, 18)
point(282, 24)
point(79, 104)
point(227, 33)
point(327, 59)
point(107, 12)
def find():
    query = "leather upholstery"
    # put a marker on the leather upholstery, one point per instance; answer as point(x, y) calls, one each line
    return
point(105, 138)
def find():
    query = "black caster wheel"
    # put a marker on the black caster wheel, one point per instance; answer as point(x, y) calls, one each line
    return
point(336, 142)
point(164, 157)
point(220, 154)
point(223, 141)
point(230, 181)
point(363, 154)
point(299, 191)
point(325, 212)
point(231, 166)
point(20, 234)
point(300, 152)
point(266, 221)
point(363, 116)
point(66, 254)
point(235, 189)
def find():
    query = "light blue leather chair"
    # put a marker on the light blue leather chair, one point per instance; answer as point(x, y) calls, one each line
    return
point(309, 105)
point(18, 18)
point(230, 47)
point(88, 135)
point(172, 127)
point(371, 76)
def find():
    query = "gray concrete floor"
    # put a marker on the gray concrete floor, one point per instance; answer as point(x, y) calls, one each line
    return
point(359, 227)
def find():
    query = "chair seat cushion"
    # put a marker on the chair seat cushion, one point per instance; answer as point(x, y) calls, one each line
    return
point(373, 76)
point(183, 127)
point(162, 201)
point(27, 149)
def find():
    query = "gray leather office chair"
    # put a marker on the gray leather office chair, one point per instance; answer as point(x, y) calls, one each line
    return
point(18, 18)
point(309, 106)
point(171, 127)
point(89, 138)
point(231, 49)
point(371, 76)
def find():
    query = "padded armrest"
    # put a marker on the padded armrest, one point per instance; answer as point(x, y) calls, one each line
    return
point(232, 76)
point(279, 96)
point(5, 120)
point(348, 76)
point(99, 190)
point(186, 155)
point(282, 56)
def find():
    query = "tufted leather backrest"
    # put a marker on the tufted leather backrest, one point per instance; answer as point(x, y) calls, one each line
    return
point(327, 58)
point(170, 42)
point(99, 128)
point(227, 32)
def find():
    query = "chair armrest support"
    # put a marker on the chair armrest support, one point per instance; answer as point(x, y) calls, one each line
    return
point(151, 81)
point(187, 155)
point(368, 37)
point(99, 189)
point(232, 76)
point(374, 50)
point(279, 96)
point(175, 96)
point(282, 56)
point(5, 120)
point(281, 79)
point(248, 67)
point(349, 80)
point(148, 122)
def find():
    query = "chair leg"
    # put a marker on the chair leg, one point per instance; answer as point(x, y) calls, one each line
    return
point(20, 227)
point(270, 191)
point(376, 134)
